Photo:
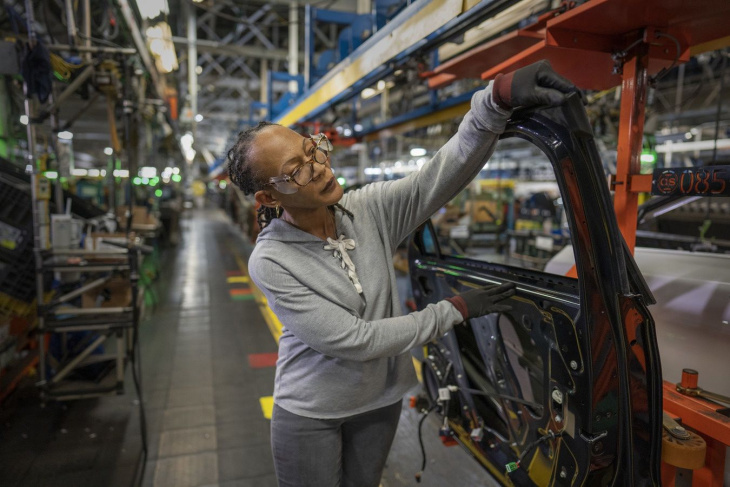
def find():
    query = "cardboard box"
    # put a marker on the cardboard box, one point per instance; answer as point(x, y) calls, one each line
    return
point(140, 217)
point(114, 294)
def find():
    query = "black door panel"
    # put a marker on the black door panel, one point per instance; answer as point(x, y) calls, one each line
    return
point(569, 380)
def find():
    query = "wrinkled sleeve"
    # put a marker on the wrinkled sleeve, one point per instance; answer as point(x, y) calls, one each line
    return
point(332, 330)
point(407, 203)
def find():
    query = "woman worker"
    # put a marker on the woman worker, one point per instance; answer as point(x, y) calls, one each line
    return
point(324, 260)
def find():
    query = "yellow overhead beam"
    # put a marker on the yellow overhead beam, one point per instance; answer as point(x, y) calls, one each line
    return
point(420, 122)
point(423, 23)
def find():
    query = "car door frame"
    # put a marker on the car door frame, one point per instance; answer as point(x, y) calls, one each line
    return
point(612, 374)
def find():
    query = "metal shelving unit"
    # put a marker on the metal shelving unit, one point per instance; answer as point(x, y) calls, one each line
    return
point(56, 317)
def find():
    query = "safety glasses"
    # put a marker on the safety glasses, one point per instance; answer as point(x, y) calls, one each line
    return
point(303, 174)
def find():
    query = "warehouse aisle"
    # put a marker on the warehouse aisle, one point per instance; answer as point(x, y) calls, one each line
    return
point(203, 380)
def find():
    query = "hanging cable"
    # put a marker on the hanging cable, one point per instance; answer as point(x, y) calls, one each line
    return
point(664, 71)
point(419, 474)
point(62, 68)
point(512, 466)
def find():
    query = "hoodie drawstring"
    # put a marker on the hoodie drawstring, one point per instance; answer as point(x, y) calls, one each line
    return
point(340, 248)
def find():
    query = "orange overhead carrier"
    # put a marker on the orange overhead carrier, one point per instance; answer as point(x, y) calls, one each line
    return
point(601, 44)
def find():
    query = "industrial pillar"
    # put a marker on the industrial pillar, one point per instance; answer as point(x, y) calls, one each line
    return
point(293, 45)
point(264, 76)
point(192, 65)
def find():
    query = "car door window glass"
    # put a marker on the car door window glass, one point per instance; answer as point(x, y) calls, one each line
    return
point(512, 213)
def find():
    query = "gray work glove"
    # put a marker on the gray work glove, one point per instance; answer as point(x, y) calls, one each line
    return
point(483, 301)
point(532, 86)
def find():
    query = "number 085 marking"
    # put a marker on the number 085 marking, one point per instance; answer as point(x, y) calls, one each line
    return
point(702, 182)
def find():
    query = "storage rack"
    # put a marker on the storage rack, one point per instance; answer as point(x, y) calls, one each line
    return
point(120, 322)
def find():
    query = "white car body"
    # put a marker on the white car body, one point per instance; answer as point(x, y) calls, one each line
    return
point(692, 310)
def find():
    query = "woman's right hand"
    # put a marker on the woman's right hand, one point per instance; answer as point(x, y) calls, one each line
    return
point(532, 86)
point(483, 301)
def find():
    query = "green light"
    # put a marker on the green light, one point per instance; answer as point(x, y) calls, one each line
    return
point(177, 178)
point(154, 181)
point(158, 193)
point(137, 181)
point(342, 181)
point(647, 159)
point(222, 184)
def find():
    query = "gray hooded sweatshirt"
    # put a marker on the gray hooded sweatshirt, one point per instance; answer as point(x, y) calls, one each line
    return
point(344, 348)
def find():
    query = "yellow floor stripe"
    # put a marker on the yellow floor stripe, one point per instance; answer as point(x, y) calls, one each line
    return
point(267, 405)
point(271, 320)
point(238, 279)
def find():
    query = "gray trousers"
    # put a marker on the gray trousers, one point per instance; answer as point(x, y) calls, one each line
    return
point(345, 452)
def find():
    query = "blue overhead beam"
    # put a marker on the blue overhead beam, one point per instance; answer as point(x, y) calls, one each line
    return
point(301, 109)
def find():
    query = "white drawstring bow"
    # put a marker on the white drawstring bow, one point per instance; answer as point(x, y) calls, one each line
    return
point(340, 248)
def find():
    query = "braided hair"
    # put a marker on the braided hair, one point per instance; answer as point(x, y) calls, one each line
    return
point(244, 174)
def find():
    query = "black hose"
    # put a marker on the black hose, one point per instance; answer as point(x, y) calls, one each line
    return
point(419, 474)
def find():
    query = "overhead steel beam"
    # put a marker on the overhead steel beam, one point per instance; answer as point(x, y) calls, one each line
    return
point(139, 43)
point(214, 47)
point(420, 27)
point(241, 84)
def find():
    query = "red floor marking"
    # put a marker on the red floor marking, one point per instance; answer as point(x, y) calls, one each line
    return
point(234, 273)
point(261, 360)
point(240, 292)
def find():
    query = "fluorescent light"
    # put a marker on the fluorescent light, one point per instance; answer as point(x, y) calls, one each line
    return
point(93, 173)
point(373, 171)
point(199, 118)
point(121, 173)
point(198, 69)
point(159, 40)
point(357, 127)
point(418, 152)
point(108, 151)
point(147, 172)
point(381, 85)
point(78, 172)
point(51, 174)
point(368, 93)
point(176, 170)
point(103, 172)
point(150, 9)
point(24, 119)
point(65, 135)
point(187, 140)
point(347, 132)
